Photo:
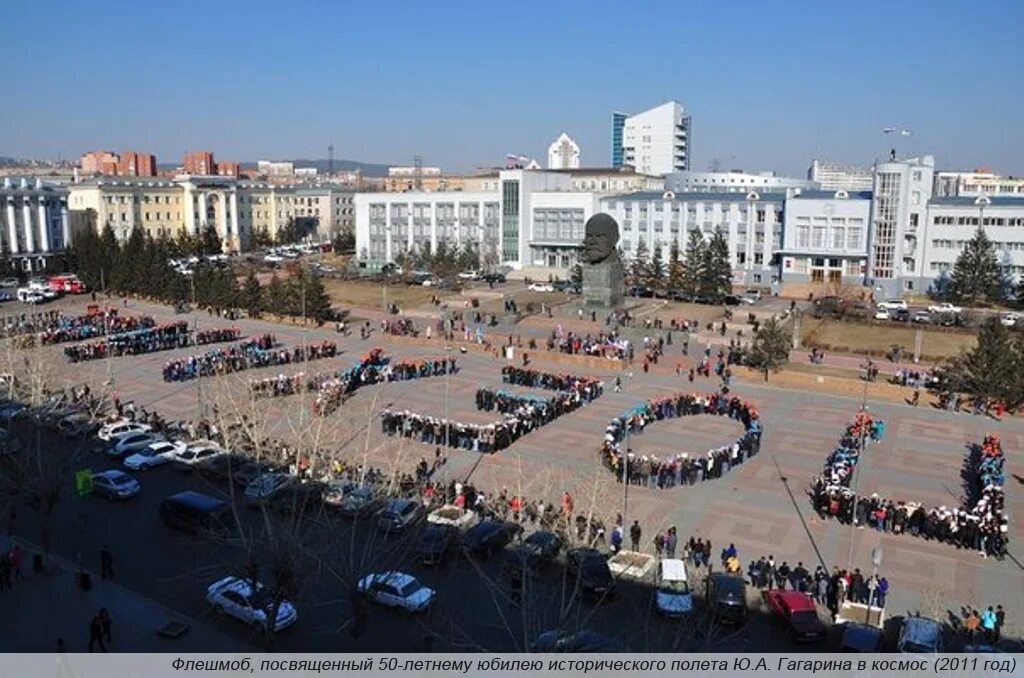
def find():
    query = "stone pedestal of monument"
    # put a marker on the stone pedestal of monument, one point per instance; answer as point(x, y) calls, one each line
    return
point(603, 283)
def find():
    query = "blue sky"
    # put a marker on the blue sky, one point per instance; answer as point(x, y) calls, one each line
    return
point(770, 85)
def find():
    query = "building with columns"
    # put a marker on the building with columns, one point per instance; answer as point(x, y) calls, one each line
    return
point(35, 222)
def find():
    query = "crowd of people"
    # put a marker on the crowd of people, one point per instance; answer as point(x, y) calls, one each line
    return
point(676, 469)
point(159, 338)
point(254, 353)
point(90, 325)
point(521, 413)
point(980, 524)
point(605, 344)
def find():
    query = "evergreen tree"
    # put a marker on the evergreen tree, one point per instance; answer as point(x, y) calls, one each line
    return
point(655, 277)
point(771, 347)
point(276, 296)
point(716, 269)
point(344, 242)
point(109, 255)
point(676, 272)
point(262, 239)
point(211, 242)
point(638, 266)
point(252, 295)
point(127, 276)
point(318, 304)
point(576, 275)
point(693, 264)
point(469, 257)
point(976, 276)
point(993, 369)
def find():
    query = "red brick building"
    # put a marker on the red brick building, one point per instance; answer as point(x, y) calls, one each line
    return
point(228, 169)
point(201, 163)
point(134, 164)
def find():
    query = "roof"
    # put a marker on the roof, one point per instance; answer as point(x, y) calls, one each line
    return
point(704, 196)
point(794, 600)
point(831, 195)
point(973, 201)
point(673, 569)
point(197, 500)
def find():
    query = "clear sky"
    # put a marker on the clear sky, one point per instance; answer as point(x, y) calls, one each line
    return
point(770, 85)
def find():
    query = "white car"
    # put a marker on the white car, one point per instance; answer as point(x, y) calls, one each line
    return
point(27, 296)
point(1009, 319)
point(236, 597)
point(155, 454)
point(430, 282)
point(273, 259)
point(120, 427)
point(470, 275)
point(397, 589)
point(450, 514)
point(196, 453)
point(541, 287)
point(944, 307)
point(114, 484)
point(130, 443)
point(893, 305)
point(881, 313)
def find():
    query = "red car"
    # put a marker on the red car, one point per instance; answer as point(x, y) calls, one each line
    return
point(799, 612)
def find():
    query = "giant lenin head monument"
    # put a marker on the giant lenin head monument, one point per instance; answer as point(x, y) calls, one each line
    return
point(603, 277)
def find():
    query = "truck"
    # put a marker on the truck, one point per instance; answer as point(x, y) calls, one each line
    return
point(67, 283)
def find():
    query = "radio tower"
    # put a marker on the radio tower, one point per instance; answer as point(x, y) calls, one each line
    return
point(330, 160)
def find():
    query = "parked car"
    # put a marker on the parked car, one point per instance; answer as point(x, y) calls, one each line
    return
point(797, 610)
point(945, 307)
point(120, 427)
point(197, 453)
point(541, 287)
point(494, 278)
point(243, 475)
point(1009, 319)
point(861, 638)
point(640, 291)
point(131, 443)
point(265, 487)
point(154, 454)
point(435, 542)
point(728, 598)
point(250, 605)
point(220, 467)
point(7, 283)
point(397, 589)
point(922, 318)
point(77, 425)
point(589, 568)
point(194, 512)
point(731, 300)
point(882, 314)
point(27, 296)
point(398, 515)
point(540, 548)
point(114, 484)
point(920, 635)
point(297, 497)
point(673, 597)
point(470, 275)
point(487, 538)
point(362, 501)
point(450, 514)
point(893, 305)
point(580, 641)
point(335, 492)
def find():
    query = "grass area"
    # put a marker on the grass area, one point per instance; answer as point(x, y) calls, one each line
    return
point(877, 338)
point(348, 293)
point(666, 311)
point(522, 299)
point(822, 370)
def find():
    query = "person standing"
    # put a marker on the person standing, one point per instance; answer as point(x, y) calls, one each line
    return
point(988, 624)
point(634, 535)
point(671, 540)
point(1000, 620)
point(16, 558)
point(96, 634)
point(105, 624)
point(106, 564)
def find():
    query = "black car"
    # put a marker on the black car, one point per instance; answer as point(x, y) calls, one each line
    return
point(219, 467)
point(729, 598)
point(196, 513)
point(488, 537)
point(900, 315)
point(540, 548)
point(731, 300)
point(360, 502)
point(299, 498)
point(246, 473)
point(581, 641)
point(640, 291)
point(590, 569)
point(702, 299)
point(494, 277)
point(435, 542)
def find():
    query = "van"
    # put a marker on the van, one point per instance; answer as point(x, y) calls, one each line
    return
point(194, 512)
point(728, 597)
point(673, 597)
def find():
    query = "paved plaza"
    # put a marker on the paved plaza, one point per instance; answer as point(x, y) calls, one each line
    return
point(762, 506)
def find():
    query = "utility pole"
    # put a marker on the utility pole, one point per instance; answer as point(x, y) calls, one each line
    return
point(625, 471)
point(195, 328)
point(862, 449)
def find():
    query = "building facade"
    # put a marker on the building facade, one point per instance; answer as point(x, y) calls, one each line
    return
point(564, 153)
point(656, 141)
point(200, 163)
point(831, 176)
point(901, 192)
point(751, 223)
point(825, 237)
point(733, 181)
point(976, 183)
point(36, 223)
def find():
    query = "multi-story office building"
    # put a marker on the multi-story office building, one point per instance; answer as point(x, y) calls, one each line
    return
point(275, 168)
point(831, 176)
point(656, 141)
point(752, 224)
point(901, 192)
point(976, 183)
point(35, 223)
point(327, 210)
point(825, 237)
point(564, 153)
point(200, 163)
point(733, 181)
point(127, 164)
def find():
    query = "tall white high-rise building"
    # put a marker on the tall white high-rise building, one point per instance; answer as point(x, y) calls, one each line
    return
point(832, 176)
point(564, 153)
point(901, 191)
point(656, 141)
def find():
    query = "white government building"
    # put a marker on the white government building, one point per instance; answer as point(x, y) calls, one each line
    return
point(895, 237)
point(35, 222)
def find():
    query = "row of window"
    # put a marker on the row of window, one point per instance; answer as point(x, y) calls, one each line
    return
point(973, 221)
point(959, 245)
point(836, 238)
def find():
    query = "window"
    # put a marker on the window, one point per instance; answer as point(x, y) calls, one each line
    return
point(818, 237)
point(853, 238)
point(913, 219)
point(803, 236)
point(838, 238)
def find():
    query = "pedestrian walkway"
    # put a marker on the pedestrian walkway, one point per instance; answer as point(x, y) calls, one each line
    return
point(43, 607)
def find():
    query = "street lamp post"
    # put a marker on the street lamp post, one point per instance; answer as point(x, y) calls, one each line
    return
point(625, 469)
point(447, 376)
point(195, 328)
point(862, 448)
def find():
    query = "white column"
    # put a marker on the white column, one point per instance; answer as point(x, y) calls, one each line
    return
point(221, 227)
point(26, 215)
point(12, 226)
point(201, 225)
point(65, 226)
point(234, 217)
point(387, 244)
point(188, 210)
point(44, 227)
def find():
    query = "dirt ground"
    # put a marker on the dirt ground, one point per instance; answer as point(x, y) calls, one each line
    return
point(349, 293)
point(878, 338)
point(667, 310)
